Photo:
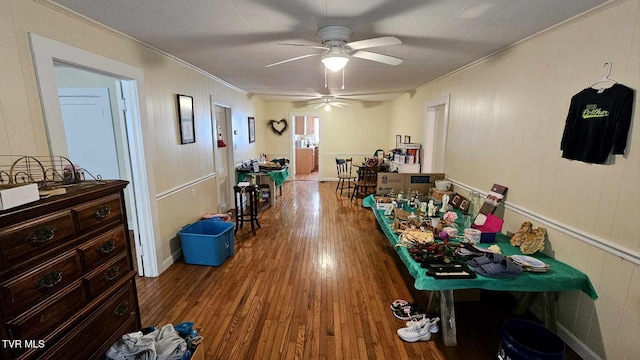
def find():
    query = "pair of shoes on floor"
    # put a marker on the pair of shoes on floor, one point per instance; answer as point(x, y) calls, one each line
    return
point(434, 328)
point(408, 312)
point(419, 330)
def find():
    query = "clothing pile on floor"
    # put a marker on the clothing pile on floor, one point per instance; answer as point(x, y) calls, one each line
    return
point(167, 343)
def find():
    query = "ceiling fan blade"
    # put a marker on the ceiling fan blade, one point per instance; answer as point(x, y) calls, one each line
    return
point(319, 106)
point(304, 45)
point(339, 103)
point(375, 42)
point(381, 58)
point(292, 59)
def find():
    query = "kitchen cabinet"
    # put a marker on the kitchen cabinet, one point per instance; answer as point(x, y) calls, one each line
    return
point(310, 122)
point(304, 160)
point(316, 156)
point(305, 125)
point(300, 125)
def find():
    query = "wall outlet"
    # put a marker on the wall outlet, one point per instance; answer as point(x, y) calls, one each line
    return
point(193, 193)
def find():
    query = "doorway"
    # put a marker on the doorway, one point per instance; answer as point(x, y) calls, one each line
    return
point(129, 85)
point(306, 147)
point(435, 135)
point(223, 155)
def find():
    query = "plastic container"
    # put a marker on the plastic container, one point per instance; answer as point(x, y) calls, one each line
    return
point(525, 340)
point(207, 242)
point(265, 193)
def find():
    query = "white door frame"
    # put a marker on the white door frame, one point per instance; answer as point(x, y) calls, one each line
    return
point(430, 131)
point(228, 138)
point(45, 52)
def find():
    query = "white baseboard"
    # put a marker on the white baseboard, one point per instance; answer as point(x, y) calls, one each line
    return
point(170, 260)
point(576, 345)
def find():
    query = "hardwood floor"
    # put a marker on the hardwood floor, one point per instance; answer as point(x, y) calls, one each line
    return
point(312, 176)
point(314, 283)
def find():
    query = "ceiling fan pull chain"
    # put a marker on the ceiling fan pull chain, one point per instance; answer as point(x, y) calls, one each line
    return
point(342, 78)
point(325, 77)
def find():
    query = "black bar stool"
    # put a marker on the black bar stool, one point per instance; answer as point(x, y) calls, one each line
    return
point(250, 214)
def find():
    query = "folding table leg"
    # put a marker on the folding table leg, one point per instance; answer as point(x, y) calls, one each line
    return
point(448, 318)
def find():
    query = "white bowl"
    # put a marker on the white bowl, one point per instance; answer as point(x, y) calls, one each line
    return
point(443, 185)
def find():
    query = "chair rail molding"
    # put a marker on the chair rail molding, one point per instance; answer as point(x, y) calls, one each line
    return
point(593, 240)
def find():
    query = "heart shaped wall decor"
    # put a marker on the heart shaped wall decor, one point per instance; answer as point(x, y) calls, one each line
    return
point(279, 126)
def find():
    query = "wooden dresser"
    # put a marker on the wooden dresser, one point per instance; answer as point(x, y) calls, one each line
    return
point(67, 282)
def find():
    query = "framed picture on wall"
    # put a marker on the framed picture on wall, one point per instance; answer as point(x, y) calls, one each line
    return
point(186, 119)
point(398, 141)
point(252, 129)
point(407, 139)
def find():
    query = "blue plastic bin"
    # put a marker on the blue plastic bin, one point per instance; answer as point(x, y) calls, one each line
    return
point(207, 242)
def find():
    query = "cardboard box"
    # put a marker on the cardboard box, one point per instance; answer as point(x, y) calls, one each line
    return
point(388, 181)
point(421, 182)
point(198, 354)
point(17, 194)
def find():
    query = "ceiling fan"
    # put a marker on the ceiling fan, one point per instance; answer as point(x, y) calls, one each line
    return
point(327, 102)
point(336, 48)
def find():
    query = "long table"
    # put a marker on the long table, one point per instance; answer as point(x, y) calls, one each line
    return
point(276, 179)
point(560, 277)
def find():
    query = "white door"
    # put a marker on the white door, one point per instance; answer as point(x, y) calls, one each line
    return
point(221, 156)
point(88, 128)
point(439, 141)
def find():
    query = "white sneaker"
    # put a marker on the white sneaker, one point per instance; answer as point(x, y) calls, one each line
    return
point(434, 328)
point(415, 333)
point(433, 325)
point(422, 321)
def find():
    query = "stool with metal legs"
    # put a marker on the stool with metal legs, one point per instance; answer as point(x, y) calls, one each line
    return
point(250, 213)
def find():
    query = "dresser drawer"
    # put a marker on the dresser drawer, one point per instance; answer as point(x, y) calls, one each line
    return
point(35, 237)
point(116, 317)
point(22, 292)
point(96, 252)
point(39, 323)
point(98, 213)
point(106, 276)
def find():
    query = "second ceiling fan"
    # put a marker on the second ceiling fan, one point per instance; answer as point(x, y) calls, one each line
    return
point(328, 101)
point(337, 50)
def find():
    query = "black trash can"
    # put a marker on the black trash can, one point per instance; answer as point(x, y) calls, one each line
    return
point(525, 340)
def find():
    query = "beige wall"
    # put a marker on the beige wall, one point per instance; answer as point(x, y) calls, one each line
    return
point(176, 169)
point(506, 121)
point(352, 131)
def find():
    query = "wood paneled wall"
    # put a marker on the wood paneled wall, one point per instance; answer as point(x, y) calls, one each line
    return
point(507, 115)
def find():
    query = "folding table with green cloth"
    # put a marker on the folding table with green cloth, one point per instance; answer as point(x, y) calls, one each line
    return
point(559, 277)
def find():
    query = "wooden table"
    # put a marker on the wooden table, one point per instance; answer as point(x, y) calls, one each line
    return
point(560, 277)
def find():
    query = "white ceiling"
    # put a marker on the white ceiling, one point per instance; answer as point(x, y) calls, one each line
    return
point(235, 39)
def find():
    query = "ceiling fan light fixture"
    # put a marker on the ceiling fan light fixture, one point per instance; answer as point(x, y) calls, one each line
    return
point(335, 62)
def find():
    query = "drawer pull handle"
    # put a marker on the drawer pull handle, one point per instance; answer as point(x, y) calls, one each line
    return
point(102, 212)
point(121, 308)
point(111, 273)
point(41, 235)
point(107, 247)
point(50, 279)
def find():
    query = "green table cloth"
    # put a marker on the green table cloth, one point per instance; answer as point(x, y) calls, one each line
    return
point(560, 276)
point(278, 176)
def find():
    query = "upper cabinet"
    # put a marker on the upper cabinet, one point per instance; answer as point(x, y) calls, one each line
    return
point(305, 125)
point(310, 122)
point(300, 124)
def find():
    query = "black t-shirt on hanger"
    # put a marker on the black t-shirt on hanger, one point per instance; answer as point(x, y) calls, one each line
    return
point(598, 122)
